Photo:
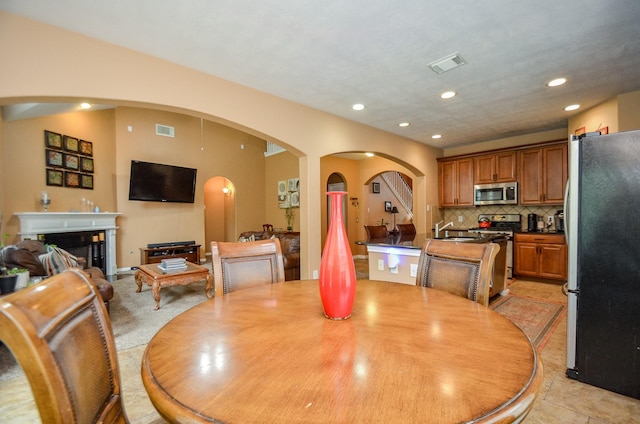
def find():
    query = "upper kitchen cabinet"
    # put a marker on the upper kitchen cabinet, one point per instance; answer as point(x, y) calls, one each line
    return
point(543, 175)
point(495, 168)
point(455, 180)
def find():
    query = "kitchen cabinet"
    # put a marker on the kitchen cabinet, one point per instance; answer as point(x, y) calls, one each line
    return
point(455, 181)
point(495, 168)
point(543, 175)
point(540, 255)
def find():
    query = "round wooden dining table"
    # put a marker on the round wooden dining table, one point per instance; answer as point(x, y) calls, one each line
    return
point(408, 354)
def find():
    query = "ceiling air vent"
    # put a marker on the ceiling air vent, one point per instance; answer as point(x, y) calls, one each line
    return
point(165, 130)
point(447, 63)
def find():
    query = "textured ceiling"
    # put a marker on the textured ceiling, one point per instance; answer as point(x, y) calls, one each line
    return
point(331, 54)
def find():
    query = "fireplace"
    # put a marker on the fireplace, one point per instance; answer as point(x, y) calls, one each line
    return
point(82, 244)
point(86, 234)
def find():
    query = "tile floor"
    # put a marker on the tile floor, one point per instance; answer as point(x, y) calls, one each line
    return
point(561, 400)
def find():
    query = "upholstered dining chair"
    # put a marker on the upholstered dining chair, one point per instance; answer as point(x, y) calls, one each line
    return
point(267, 227)
point(406, 229)
point(60, 333)
point(239, 265)
point(461, 268)
point(376, 231)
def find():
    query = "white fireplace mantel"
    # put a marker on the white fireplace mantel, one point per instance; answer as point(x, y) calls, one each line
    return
point(34, 223)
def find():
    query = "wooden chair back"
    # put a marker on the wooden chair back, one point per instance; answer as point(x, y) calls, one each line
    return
point(376, 231)
point(60, 333)
point(238, 265)
point(406, 229)
point(461, 268)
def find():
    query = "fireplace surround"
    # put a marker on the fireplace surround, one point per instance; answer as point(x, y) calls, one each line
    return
point(40, 225)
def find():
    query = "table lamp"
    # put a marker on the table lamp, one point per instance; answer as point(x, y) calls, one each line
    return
point(394, 211)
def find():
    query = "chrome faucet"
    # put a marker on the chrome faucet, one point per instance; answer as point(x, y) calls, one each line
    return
point(438, 229)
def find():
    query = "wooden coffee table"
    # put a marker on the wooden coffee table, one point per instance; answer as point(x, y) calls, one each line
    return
point(156, 278)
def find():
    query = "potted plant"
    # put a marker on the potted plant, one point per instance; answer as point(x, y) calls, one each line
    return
point(22, 277)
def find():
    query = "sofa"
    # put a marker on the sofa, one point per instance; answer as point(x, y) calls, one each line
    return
point(44, 261)
point(290, 244)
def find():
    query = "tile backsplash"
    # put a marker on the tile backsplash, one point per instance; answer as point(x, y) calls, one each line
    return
point(470, 215)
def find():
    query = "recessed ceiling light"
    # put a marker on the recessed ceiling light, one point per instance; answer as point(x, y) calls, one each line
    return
point(448, 94)
point(404, 124)
point(85, 105)
point(369, 154)
point(556, 82)
point(436, 136)
point(572, 107)
point(358, 106)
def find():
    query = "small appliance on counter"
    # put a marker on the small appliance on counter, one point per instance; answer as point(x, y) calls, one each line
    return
point(559, 221)
point(532, 223)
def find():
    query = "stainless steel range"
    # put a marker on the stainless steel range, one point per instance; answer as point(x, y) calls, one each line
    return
point(505, 225)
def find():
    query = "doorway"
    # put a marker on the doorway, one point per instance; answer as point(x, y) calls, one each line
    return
point(220, 211)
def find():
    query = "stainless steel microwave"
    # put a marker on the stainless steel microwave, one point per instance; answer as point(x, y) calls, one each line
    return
point(495, 194)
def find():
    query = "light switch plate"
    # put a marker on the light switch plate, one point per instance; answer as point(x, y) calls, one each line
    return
point(413, 271)
point(380, 264)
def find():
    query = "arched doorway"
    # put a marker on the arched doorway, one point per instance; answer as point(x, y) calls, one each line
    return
point(220, 211)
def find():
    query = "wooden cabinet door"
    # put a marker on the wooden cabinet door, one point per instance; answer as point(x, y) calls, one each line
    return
point(447, 183)
point(506, 167)
point(530, 177)
point(554, 174)
point(553, 261)
point(455, 181)
point(543, 175)
point(465, 182)
point(500, 167)
point(485, 169)
point(526, 260)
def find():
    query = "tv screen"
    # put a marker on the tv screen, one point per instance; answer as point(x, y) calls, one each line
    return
point(154, 182)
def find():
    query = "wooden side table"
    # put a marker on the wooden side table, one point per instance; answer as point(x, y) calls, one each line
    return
point(156, 278)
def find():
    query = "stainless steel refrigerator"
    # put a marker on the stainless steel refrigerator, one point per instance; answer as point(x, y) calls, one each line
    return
point(602, 210)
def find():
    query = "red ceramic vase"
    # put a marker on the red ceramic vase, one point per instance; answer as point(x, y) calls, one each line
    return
point(337, 270)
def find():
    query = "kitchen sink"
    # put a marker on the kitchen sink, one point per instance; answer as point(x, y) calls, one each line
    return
point(460, 239)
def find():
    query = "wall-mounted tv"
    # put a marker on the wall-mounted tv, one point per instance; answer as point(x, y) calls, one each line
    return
point(155, 182)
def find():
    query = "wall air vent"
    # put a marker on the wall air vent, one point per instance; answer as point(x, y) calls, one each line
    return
point(165, 130)
point(447, 63)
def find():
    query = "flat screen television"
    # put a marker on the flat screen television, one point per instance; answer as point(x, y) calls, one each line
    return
point(155, 182)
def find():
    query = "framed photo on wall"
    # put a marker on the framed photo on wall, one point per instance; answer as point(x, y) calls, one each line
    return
point(86, 181)
point(387, 206)
point(375, 187)
point(53, 157)
point(71, 179)
point(86, 148)
point(71, 162)
point(86, 164)
point(54, 177)
point(70, 144)
point(52, 140)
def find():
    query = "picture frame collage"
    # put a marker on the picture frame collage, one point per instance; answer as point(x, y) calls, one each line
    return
point(289, 193)
point(69, 161)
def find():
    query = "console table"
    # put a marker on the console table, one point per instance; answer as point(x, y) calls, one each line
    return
point(190, 252)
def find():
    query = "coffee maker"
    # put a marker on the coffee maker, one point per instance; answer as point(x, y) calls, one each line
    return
point(532, 223)
point(559, 220)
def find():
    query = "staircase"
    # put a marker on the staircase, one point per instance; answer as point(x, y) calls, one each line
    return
point(400, 189)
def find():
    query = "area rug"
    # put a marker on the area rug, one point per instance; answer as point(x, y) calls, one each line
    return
point(537, 318)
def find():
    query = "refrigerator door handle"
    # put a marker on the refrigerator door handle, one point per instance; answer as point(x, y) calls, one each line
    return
point(566, 211)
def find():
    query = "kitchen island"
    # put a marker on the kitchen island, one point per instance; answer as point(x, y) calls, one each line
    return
point(395, 258)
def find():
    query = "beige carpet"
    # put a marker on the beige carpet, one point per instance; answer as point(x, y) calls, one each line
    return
point(535, 317)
